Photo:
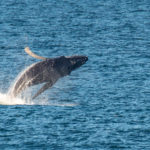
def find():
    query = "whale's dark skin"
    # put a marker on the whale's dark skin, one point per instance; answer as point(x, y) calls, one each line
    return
point(47, 71)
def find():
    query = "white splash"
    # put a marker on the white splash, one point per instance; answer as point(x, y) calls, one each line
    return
point(12, 87)
point(62, 104)
point(8, 100)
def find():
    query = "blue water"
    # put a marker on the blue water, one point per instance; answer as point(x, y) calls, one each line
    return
point(105, 104)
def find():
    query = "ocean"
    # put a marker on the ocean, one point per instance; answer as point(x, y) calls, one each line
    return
point(103, 105)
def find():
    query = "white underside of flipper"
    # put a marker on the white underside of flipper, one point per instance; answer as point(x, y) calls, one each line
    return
point(29, 52)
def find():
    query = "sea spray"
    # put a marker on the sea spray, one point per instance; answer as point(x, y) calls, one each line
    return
point(8, 100)
point(13, 85)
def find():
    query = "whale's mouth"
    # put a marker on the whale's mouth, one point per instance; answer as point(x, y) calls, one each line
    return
point(77, 61)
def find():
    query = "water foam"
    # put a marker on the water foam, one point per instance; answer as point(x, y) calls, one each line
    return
point(8, 100)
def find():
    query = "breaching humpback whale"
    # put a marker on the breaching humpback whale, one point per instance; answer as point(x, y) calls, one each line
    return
point(47, 71)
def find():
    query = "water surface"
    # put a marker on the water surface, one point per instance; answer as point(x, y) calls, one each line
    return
point(105, 104)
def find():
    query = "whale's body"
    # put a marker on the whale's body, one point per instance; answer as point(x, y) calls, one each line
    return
point(47, 71)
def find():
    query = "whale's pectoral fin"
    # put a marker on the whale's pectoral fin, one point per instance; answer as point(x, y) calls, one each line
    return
point(45, 87)
point(29, 52)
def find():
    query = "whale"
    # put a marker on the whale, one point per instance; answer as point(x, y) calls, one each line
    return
point(47, 71)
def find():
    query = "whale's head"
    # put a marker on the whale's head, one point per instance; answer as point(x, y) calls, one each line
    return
point(76, 61)
point(66, 64)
